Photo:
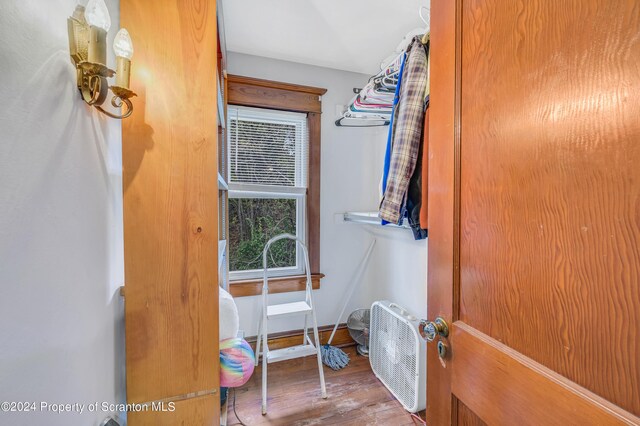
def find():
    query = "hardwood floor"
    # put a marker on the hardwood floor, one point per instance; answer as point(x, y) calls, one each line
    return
point(356, 397)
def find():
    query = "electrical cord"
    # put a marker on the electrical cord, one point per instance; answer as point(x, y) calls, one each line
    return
point(234, 407)
point(414, 417)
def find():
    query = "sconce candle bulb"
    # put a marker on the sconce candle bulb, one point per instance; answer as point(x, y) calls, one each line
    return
point(97, 15)
point(122, 45)
point(123, 48)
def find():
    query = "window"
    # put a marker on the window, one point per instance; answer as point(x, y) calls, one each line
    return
point(268, 179)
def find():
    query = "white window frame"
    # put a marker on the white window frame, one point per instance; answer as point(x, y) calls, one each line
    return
point(252, 191)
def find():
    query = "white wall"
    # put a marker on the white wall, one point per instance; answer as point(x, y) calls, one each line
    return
point(61, 318)
point(351, 168)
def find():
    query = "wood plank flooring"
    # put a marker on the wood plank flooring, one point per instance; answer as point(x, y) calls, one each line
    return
point(356, 396)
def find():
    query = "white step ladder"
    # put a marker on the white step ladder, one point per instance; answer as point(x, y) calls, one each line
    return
point(305, 308)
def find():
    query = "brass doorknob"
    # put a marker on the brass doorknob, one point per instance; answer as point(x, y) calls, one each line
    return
point(429, 330)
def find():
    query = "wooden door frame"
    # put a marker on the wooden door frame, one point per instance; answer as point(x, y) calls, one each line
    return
point(524, 387)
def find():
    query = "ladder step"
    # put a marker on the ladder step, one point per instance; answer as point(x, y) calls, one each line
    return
point(291, 353)
point(288, 309)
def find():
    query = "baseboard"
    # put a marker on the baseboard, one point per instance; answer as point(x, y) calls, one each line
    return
point(294, 337)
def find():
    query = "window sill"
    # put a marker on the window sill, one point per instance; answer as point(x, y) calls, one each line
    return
point(253, 287)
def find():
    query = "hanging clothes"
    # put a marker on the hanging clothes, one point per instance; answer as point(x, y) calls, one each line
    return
point(417, 194)
point(414, 198)
point(407, 133)
point(394, 114)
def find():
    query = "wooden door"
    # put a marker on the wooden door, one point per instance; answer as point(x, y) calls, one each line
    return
point(534, 212)
point(169, 155)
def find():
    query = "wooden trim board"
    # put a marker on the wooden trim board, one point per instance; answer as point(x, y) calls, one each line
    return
point(313, 192)
point(286, 339)
point(276, 285)
point(277, 85)
point(192, 411)
point(170, 212)
point(253, 92)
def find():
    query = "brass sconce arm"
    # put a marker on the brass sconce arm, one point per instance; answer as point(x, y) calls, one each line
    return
point(92, 82)
point(121, 96)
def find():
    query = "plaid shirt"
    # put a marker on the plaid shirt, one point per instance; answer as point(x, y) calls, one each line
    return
point(406, 132)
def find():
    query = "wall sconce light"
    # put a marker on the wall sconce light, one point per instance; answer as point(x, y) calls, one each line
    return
point(88, 48)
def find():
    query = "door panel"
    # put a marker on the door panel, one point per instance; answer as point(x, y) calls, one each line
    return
point(169, 153)
point(550, 186)
point(539, 245)
point(466, 417)
point(499, 385)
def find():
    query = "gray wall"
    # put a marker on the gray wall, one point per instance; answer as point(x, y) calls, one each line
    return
point(352, 161)
point(61, 318)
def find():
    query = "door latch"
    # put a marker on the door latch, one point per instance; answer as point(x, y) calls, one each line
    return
point(429, 330)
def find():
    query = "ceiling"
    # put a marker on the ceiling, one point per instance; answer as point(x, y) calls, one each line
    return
point(351, 35)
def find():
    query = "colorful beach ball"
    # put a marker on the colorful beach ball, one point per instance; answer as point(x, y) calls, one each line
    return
point(236, 362)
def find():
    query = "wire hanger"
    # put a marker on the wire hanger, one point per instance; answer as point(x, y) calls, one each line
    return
point(361, 122)
point(425, 37)
point(422, 18)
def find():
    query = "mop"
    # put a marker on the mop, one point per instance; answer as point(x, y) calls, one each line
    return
point(332, 356)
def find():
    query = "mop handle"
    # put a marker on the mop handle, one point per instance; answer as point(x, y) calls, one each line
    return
point(357, 275)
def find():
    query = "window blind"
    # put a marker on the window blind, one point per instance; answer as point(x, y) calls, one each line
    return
point(268, 147)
